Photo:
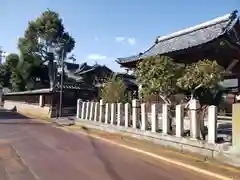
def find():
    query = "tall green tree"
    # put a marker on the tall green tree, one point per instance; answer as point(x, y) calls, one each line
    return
point(201, 80)
point(158, 75)
point(46, 37)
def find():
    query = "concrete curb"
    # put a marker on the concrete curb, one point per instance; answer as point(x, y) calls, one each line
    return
point(184, 145)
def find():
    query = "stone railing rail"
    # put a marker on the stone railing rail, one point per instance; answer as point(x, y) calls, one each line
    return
point(137, 118)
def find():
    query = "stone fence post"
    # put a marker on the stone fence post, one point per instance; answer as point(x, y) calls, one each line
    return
point(113, 113)
point(41, 100)
point(212, 124)
point(143, 117)
point(83, 111)
point(101, 111)
point(194, 122)
point(87, 110)
point(119, 114)
point(79, 108)
point(154, 121)
point(236, 128)
point(126, 114)
point(92, 106)
point(179, 120)
point(96, 112)
point(107, 113)
point(165, 119)
point(135, 112)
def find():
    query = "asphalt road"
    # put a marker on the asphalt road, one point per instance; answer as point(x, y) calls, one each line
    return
point(31, 150)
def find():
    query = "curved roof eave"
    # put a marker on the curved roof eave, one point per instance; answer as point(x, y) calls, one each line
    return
point(202, 33)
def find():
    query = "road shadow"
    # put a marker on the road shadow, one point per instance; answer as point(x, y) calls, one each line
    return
point(102, 157)
point(6, 114)
point(22, 123)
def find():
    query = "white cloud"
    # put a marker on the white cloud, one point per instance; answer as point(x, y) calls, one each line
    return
point(96, 57)
point(131, 41)
point(120, 39)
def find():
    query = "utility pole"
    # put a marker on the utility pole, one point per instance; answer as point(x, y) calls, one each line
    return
point(61, 86)
point(62, 76)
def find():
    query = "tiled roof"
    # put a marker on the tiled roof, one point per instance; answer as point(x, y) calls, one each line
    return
point(83, 67)
point(125, 75)
point(86, 68)
point(71, 66)
point(36, 91)
point(190, 37)
point(76, 86)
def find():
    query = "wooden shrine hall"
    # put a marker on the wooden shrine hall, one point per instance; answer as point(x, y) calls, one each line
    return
point(218, 39)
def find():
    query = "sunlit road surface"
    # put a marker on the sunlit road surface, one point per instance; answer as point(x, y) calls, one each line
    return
point(31, 150)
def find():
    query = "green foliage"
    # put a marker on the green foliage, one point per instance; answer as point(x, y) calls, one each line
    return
point(4, 75)
point(46, 37)
point(50, 30)
point(114, 90)
point(208, 96)
point(17, 81)
point(7, 68)
point(158, 75)
point(20, 73)
point(162, 76)
point(12, 61)
point(204, 74)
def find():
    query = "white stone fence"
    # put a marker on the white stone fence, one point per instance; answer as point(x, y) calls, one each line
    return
point(135, 116)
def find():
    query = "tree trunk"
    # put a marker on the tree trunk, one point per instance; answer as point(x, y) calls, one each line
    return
point(51, 70)
point(201, 115)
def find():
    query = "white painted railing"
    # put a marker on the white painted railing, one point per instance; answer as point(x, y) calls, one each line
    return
point(135, 116)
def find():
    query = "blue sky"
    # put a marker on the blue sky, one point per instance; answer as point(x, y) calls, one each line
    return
point(107, 29)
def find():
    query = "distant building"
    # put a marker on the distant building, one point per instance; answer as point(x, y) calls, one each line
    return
point(81, 81)
point(2, 55)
